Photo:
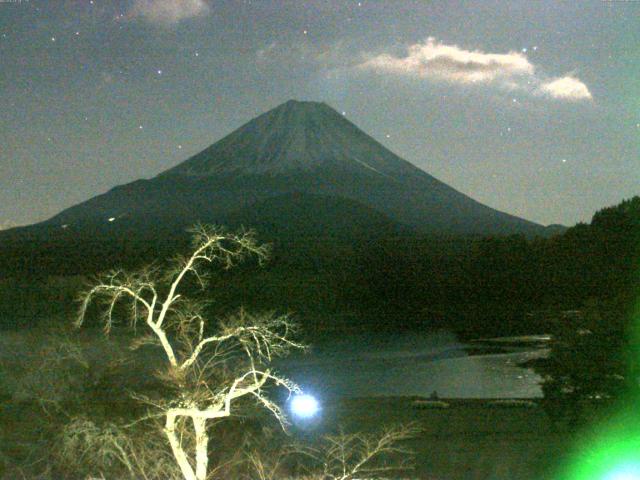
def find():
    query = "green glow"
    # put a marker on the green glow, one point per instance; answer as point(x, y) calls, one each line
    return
point(612, 455)
point(611, 451)
point(629, 471)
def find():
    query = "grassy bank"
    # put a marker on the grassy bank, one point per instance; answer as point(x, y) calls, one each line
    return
point(469, 440)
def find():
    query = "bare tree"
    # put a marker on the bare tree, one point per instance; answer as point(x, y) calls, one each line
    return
point(341, 456)
point(360, 455)
point(209, 370)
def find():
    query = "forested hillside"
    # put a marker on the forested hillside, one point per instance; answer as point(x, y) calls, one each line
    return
point(391, 278)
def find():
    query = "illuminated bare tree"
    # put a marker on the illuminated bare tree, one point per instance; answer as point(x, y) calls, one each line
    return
point(359, 455)
point(208, 369)
point(341, 456)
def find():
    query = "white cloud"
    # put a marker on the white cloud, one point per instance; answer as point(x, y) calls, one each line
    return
point(437, 61)
point(168, 12)
point(567, 87)
point(451, 63)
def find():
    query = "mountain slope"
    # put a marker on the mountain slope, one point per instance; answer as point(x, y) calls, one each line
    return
point(302, 147)
point(295, 137)
point(296, 214)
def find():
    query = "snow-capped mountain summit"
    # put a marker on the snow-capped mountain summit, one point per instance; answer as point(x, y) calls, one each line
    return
point(302, 148)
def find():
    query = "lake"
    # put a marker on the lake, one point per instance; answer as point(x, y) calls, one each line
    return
point(419, 364)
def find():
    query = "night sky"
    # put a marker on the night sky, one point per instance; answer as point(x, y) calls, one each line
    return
point(531, 107)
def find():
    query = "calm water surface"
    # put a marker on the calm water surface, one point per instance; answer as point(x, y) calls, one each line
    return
point(414, 364)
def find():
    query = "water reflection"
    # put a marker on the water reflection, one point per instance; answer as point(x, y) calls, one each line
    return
point(416, 364)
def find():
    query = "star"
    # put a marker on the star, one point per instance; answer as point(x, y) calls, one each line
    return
point(53, 39)
point(159, 72)
point(564, 160)
point(140, 127)
point(179, 147)
point(304, 32)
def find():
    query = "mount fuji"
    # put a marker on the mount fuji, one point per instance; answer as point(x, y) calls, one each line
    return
point(300, 159)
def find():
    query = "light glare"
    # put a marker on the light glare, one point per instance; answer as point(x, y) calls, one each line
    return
point(626, 472)
point(304, 406)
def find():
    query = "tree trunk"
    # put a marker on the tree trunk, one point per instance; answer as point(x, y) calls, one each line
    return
point(202, 443)
point(176, 448)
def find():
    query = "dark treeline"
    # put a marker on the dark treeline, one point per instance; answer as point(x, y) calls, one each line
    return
point(509, 285)
point(378, 278)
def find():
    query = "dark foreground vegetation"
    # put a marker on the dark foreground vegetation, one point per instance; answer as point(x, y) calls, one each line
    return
point(365, 278)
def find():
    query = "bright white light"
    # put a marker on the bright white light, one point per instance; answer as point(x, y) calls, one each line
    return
point(304, 406)
point(112, 219)
point(625, 472)
point(623, 476)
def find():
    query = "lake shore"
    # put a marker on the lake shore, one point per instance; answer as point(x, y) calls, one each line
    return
point(471, 439)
